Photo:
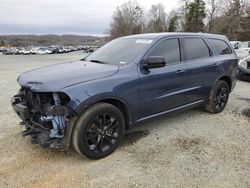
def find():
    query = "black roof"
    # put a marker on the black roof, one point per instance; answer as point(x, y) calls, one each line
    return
point(167, 34)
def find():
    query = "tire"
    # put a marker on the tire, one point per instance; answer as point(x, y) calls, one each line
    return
point(98, 131)
point(218, 97)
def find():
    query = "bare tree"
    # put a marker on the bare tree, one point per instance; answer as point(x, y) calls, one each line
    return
point(182, 11)
point(212, 7)
point(227, 17)
point(157, 19)
point(233, 20)
point(234, 17)
point(127, 20)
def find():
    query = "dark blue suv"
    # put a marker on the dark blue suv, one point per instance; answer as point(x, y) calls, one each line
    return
point(92, 102)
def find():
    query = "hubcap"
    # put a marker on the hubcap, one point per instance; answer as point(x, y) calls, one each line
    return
point(102, 133)
point(221, 97)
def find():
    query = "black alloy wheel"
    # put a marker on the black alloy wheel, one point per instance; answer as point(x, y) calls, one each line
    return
point(221, 97)
point(102, 133)
point(218, 97)
point(98, 131)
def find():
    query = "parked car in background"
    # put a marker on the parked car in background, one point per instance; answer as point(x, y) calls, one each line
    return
point(242, 49)
point(2, 49)
point(244, 68)
point(236, 44)
point(246, 44)
point(10, 51)
point(40, 50)
point(91, 103)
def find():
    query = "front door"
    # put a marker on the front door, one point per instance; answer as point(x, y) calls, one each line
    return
point(162, 89)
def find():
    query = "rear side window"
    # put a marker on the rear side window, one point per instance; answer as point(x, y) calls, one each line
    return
point(196, 48)
point(220, 46)
point(169, 49)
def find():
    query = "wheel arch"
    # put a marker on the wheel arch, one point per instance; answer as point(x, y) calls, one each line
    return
point(225, 78)
point(122, 106)
point(117, 102)
point(208, 104)
point(228, 80)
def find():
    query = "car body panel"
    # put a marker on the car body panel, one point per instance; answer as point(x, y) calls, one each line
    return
point(56, 77)
point(162, 89)
point(123, 88)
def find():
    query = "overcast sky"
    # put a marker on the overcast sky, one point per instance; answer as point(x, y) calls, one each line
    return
point(62, 16)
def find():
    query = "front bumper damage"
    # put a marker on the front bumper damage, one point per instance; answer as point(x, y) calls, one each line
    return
point(45, 117)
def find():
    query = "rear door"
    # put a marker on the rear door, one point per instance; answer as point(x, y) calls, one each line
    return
point(163, 88)
point(201, 67)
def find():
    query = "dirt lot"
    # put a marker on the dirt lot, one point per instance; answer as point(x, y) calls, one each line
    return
point(190, 149)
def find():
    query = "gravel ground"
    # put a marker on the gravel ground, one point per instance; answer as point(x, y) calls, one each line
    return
point(189, 149)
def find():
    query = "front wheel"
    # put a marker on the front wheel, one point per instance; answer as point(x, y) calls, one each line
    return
point(218, 97)
point(98, 131)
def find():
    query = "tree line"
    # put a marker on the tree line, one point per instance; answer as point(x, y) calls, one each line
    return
point(227, 17)
point(47, 40)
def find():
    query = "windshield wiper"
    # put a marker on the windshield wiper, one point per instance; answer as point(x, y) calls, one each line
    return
point(97, 61)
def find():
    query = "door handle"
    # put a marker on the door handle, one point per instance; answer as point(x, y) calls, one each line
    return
point(179, 71)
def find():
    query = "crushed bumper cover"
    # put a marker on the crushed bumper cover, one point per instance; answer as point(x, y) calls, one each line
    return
point(39, 133)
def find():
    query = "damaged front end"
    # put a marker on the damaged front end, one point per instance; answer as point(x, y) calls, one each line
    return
point(45, 117)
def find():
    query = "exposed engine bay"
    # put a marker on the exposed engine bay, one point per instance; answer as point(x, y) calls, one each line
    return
point(44, 115)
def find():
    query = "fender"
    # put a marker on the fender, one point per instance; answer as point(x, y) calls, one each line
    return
point(222, 78)
point(85, 105)
point(103, 97)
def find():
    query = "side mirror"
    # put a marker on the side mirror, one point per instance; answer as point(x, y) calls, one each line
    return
point(154, 62)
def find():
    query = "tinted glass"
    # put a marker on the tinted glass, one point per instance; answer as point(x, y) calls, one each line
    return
point(220, 46)
point(120, 51)
point(169, 49)
point(196, 48)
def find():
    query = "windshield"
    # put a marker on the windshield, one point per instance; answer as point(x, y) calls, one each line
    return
point(119, 51)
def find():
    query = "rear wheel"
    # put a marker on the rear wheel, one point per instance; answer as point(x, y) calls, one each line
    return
point(218, 97)
point(98, 131)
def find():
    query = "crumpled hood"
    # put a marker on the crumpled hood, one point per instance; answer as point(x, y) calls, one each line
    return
point(56, 77)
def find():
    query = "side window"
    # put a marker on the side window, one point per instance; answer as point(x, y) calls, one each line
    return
point(220, 46)
point(169, 49)
point(196, 48)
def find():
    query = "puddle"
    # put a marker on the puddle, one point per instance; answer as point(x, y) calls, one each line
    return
point(246, 113)
point(133, 136)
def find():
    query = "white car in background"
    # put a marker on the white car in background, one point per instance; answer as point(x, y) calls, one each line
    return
point(236, 44)
point(246, 45)
point(43, 51)
point(244, 68)
point(242, 50)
